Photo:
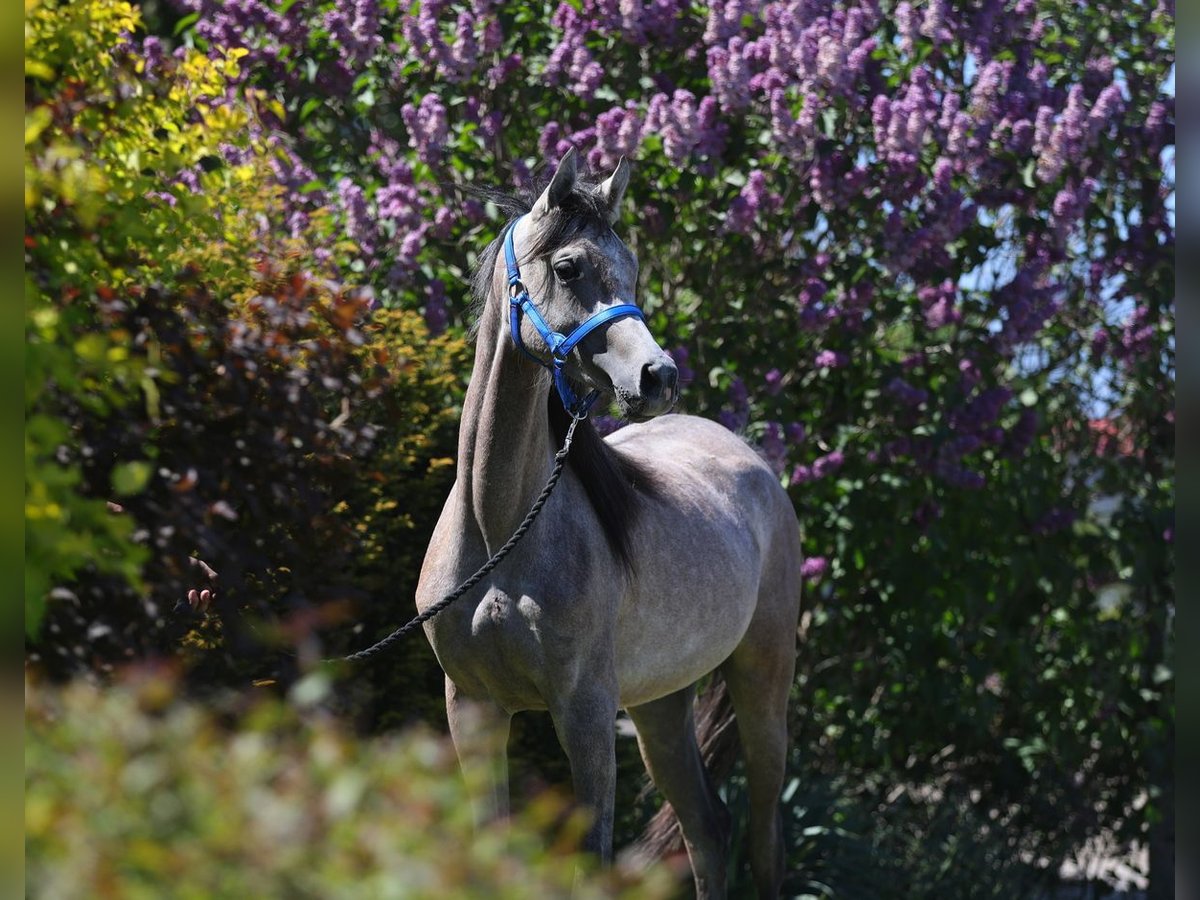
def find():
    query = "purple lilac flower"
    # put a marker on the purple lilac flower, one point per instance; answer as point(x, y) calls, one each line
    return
point(906, 393)
point(473, 211)
point(796, 432)
point(739, 395)
point(427, 127)
point(1054, 520)
point(443, 222)
point(980, 410)
point(814, 568)
point(490, 125)
point(774, 450)
point(752, 202)
point(1155, 126)
point(680, 356)
point(1065, 143)
point(794, 137)
point(902, 125)
point(1108, 106)
point(990, 86)
point(729, 72)
point(970, 373)
point(933, 24)
point(571, 62)
point(463, 53)
point(190, 179)
point(926, 514)
point(1136, 339)
point(773, 382)
point(685, 126)
point(606, 425)
point(1069, 205)
point(618, 133)
point(908, 26)
point(400, 204)
point(152, 55)
point(357, 216)
point(725, 18)
point(504, 69)
point(828, 464)
point(736, 417)
point(730, 419)
point(423, 34)
point(938, 304)
point(1021, 434)
point(960, 476)
point(355, 28)
point(548, 141)
point(437, 316)
point(830, 359)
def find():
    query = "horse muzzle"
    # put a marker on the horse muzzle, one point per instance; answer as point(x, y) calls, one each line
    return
point(658, 389)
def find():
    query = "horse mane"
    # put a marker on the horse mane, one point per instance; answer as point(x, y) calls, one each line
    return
point(615, 485)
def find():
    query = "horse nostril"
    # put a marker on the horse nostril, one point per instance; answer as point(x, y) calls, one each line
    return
point(672, 377)
point(659, 379)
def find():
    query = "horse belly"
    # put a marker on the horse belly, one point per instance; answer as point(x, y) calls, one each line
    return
point(704, 541)
point(680, 626)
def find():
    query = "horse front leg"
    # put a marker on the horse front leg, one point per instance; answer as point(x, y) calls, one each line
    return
point(584, 720)
point(479, 729)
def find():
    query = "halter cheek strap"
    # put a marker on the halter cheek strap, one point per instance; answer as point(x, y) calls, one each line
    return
point(559, 345)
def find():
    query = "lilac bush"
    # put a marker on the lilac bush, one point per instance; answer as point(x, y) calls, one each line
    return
point(935, 239)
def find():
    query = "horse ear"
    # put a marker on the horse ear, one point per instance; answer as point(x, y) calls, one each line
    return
point(560, 185)
point(614, 189)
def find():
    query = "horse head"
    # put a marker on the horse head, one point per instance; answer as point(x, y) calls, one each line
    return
point(580, 280)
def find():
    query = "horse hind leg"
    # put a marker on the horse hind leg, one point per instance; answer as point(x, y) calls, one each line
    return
point(667, 738)
point(759, 675)
point(479, 730)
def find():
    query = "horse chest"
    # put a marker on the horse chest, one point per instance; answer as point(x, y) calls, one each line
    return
point(515, 642)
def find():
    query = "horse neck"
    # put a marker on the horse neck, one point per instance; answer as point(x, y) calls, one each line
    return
point(505, 449)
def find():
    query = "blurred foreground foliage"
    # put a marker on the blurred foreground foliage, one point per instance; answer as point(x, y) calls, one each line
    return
point(132, 793)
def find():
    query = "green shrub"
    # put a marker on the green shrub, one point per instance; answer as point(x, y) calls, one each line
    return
point(198, 388)
point(130, 793)
point(106, 142)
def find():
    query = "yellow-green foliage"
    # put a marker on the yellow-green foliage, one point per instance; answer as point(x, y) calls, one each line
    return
point(420, 416)
point(104, 141)
point(132, 794)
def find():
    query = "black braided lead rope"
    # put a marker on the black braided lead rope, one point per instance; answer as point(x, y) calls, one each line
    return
point(560, 460)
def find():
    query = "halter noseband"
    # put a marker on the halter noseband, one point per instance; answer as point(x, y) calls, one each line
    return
point(560, 346)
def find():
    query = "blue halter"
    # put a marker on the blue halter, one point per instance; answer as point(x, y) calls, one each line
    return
point(560, 346)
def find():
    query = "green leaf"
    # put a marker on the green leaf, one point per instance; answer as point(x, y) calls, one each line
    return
point(1027, 174)
point(309, 107)
point(185, 23)
point(129, 478)
point(35, 123)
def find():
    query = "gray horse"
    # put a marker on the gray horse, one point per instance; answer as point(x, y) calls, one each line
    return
point(667, 552)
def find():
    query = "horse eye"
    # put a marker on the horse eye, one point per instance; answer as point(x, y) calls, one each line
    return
point(566, 270)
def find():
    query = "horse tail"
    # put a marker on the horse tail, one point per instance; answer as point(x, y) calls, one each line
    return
point(717, 737)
